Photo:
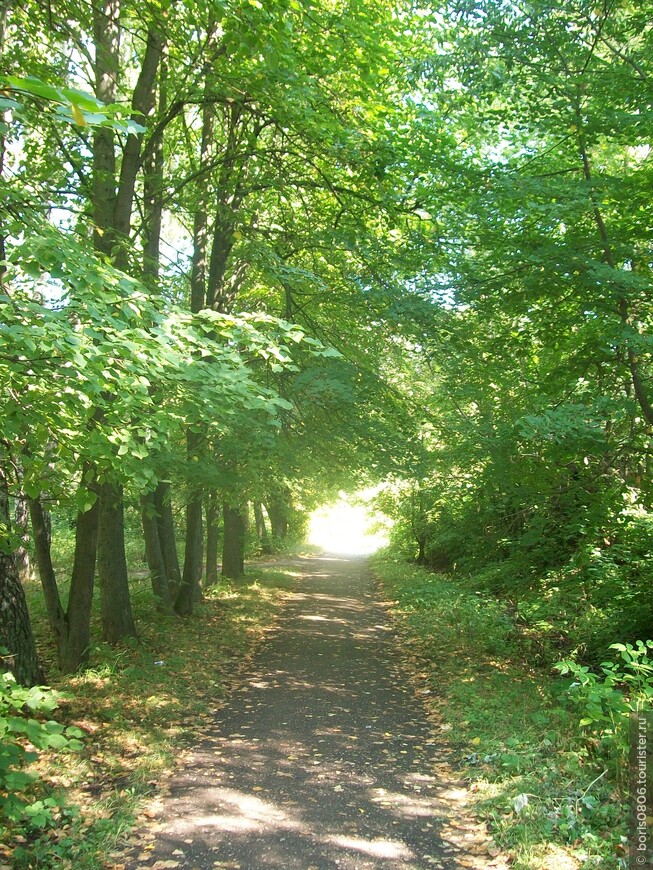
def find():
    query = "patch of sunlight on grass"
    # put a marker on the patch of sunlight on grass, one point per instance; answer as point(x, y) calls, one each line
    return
point(348, 525)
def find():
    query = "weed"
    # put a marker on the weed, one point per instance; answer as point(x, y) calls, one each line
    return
point(606, 699)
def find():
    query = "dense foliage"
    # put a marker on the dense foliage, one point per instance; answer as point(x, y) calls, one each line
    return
point(197, 263)
point(253, 253)
point(535, 377)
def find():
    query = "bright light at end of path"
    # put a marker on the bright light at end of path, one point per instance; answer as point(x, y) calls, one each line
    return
point(347, 528)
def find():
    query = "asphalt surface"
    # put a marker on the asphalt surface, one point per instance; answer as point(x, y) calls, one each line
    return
point(322, 757)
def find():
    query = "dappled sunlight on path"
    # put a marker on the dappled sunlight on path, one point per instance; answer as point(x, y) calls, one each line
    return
point(321, 758)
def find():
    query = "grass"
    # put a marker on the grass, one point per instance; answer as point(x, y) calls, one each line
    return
point(139, 705)
point(544, 790)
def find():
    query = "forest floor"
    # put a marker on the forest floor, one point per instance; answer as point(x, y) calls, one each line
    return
point(323, 755)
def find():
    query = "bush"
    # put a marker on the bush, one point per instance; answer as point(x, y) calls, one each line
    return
point(606, 699)
point(20, 735)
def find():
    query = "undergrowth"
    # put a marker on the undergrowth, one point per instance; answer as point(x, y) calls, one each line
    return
point(546, 774)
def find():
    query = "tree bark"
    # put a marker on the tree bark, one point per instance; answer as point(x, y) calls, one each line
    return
point(167, 537)
point(233, 547)
point(212, 529)
point(153, 190)
point(21, 555)
point(278, 521)
point(72, 629)
point(198, 272)
point(154, 555)
point(15, 626)
point(143, 100)
point(117, 617)
point(112, 209)
point(161, 553)
point(200, 223)
point(421, 550)
point(53, 606)
point(80, 598)
point(190, 588)
point(106, 34)
point(261, 528)
point(109, 204)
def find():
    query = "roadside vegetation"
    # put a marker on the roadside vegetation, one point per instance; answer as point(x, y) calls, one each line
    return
point(544, 747)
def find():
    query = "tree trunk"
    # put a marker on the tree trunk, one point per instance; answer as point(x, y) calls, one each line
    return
point(190, 588)
point(167, 537)
point(112, 209)
point(154, 555)
point(421, 550)
point(143, 99)
point(117, 617)
point(108, 206)
point(153, 189)
point(233, 547)
point(80, 598)
point(261, 528)
point(72, 629)
point(278, 522)
point(4, 8)
point(106, 36)
point(22, 556)
point(53, 606)
point(15, 626)
point(212, 528)
point(158, 530)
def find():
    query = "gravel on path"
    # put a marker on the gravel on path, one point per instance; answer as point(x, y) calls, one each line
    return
point(322, 757)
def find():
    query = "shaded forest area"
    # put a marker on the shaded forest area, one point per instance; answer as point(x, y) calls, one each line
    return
point(255, 252)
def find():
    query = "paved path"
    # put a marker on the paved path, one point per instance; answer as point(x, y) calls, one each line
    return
point(322, 757)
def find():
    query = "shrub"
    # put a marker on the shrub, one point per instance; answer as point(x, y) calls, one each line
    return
point(607, 698)
point(20, 736)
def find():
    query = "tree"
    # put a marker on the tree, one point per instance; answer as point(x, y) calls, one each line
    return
point(18, 653)
point(272, 145)
point(537, 367)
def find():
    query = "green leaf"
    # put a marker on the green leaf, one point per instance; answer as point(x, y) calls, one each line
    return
point(34, 87)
